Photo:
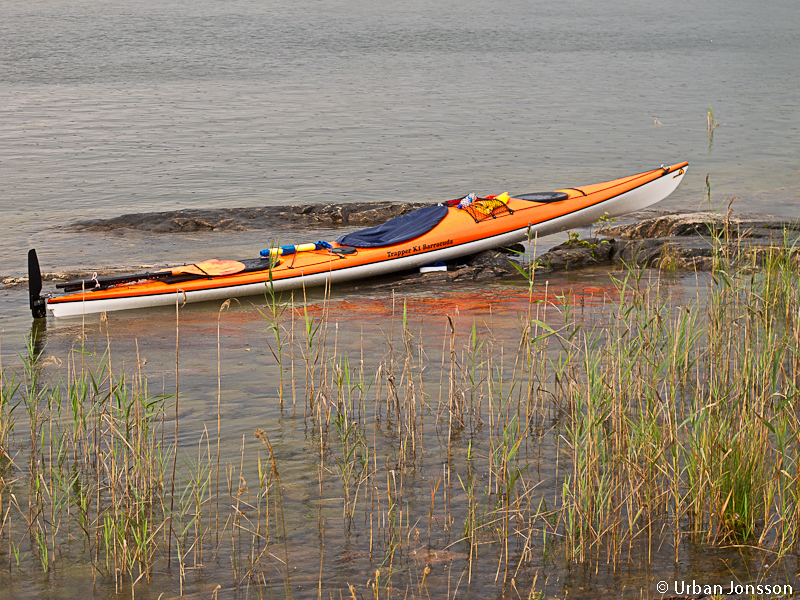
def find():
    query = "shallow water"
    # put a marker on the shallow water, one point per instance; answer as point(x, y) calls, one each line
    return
point(111, 108)
point(362, 325)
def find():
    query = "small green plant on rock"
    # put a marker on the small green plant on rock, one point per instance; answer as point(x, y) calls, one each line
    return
point(576, 240)
point(604, 222)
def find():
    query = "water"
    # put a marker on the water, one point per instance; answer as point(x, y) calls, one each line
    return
point(359, 325)
point(109, 108)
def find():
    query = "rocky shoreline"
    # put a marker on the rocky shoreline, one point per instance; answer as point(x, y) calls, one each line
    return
point(674, 241)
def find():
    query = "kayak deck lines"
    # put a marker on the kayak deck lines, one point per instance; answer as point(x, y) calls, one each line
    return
point(441, 232)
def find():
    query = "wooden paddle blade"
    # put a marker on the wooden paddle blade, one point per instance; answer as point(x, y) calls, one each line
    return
point(212, 268)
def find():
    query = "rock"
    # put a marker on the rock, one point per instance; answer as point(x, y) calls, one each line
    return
point(683, 241)
point(575, 254)
point(489, 264)
point(665, 253)
point(497, 260)
point(241, 219)
point(13, 282)
point(703, 224)
point(483, 266)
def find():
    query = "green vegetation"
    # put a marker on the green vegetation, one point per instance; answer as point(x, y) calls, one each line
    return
point(592, 438)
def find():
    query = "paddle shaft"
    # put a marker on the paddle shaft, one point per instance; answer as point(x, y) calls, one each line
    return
point(104, 282)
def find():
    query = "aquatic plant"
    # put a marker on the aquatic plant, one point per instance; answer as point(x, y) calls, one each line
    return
point(603, 430)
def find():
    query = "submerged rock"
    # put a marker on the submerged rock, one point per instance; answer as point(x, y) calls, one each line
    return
point(431, 557)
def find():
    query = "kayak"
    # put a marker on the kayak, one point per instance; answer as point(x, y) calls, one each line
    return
point(429, 235)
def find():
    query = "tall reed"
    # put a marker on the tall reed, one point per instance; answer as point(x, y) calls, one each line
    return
point(599, 430)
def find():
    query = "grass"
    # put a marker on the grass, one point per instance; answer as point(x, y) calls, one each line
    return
point(590, 438)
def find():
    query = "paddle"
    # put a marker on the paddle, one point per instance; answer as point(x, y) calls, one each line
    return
point(206, 268)
point(38, 304)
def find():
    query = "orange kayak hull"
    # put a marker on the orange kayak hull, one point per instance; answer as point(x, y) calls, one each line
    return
point(458, 234)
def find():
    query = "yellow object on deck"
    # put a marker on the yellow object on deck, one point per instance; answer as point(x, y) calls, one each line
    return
point(211, 267)
point(486, 206)
point(281, 250)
